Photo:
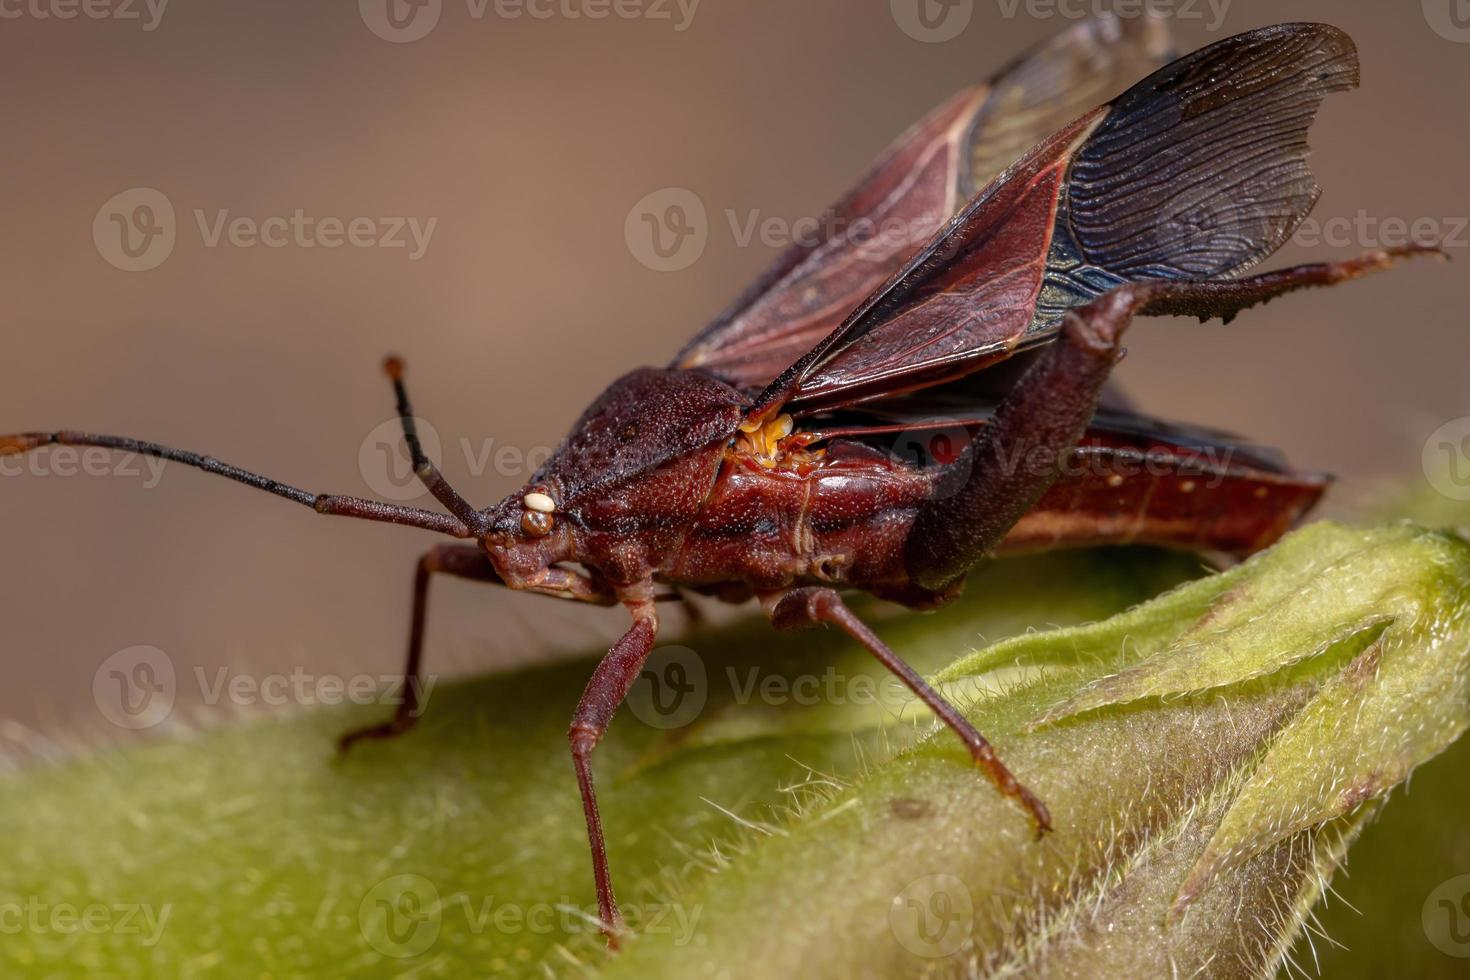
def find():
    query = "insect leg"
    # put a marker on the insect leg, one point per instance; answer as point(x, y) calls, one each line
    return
point(1225, 298)
point(371, 510)
point(459, 560)
point(811, 605)
point(606, 690)
point(1020, 452)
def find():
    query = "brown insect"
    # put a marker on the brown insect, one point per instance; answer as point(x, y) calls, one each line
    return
point(761, 463)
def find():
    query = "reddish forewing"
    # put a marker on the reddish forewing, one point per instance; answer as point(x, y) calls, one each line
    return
point(918, 185)
point(965, 303)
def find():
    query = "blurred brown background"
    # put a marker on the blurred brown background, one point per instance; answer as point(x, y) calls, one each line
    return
point(528, 140)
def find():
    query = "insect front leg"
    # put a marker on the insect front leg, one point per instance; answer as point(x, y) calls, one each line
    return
point(1020, 452)
point(812, 605)
point(606, 690)
point(460, 560)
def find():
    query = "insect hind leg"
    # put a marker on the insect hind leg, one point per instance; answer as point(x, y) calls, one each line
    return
point(816, 605)
point(1018, 455)
point(1226, 298)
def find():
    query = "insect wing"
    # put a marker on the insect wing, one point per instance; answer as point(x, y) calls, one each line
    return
point(1132, 479)
point(1197, 172)
point(923, 179)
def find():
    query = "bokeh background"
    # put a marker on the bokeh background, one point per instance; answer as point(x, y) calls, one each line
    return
point(521, 145)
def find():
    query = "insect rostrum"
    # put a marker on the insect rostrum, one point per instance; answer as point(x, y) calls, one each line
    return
point(761, 463)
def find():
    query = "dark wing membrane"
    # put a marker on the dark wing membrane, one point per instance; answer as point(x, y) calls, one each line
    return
point(1197, 172)
point(914, 189)
point(1200, 170)
point(910, 424)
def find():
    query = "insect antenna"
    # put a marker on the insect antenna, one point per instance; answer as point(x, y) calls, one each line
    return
point(322, 503)
point(463, 521)
point(426, 471)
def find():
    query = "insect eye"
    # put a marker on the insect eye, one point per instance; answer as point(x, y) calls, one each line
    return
point(536, 523)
